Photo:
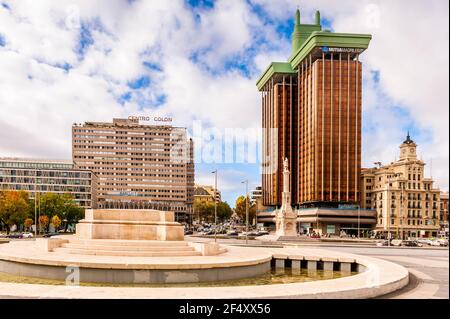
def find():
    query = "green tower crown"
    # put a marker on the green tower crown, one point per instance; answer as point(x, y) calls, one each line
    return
point(303, 31)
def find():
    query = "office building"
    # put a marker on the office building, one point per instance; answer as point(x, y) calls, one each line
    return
point(406, 202)
point(48, 176)
point(311, 109)
point(311, 115)
point(138, 166)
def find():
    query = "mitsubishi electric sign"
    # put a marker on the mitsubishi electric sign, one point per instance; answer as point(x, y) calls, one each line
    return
point(341, 50)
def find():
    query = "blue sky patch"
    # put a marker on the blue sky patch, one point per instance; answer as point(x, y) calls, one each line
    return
point(126, 97)
point(85, 40)
point(140, 83)
point(152, 66)
point(208, 4)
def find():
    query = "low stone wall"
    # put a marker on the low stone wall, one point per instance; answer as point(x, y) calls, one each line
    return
point(134, 276)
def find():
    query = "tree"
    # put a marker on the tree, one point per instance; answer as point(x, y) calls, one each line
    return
point(224, 211)
point(51, 204)
point(72, 214)
point(28, 223)
point(205, 210)
point(63, 206)
point(56, 222)
point(43, 222)
point(14, 208)
point(240, 209)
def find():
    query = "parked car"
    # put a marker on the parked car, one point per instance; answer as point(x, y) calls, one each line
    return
point(396, 242)
point(188, 232)
point(424, 241)
point(411, 243)
point(49, 235)
point(263, 232)
point(232, 233)
point(27, 235)
point(382, 243)
point(15, 236)
point(435, 242)
point(443, 242)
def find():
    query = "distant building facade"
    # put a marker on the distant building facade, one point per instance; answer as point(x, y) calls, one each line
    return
point(443, 215)
point(206, 194)
point(138, 166)
point(406, 202)
point(49, 176)
point(256, 194)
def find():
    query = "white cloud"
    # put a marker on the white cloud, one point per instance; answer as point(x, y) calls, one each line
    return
point(39, 101)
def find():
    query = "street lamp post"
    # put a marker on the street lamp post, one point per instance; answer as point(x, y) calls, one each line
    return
point(402, 200)
point(359, 213)
point(215, 205)
point(35, 206)
point(388, 214)
point(246, 211)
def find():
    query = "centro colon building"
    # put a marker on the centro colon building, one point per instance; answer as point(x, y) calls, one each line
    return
point(138, 166)
point(48, 176)
point(311, 115)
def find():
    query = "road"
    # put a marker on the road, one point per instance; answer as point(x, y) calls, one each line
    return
point(429, 269)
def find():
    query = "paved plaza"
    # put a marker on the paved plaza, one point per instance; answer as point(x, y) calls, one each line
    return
point(428, 266)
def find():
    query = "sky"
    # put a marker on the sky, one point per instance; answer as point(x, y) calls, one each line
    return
point(65, 62)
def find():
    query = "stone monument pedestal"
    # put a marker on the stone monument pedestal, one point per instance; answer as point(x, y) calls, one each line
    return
point(285, 217)
point(129, 225)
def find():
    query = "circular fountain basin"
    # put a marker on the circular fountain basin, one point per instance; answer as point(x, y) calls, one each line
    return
point(22, 258)
point(376, 277)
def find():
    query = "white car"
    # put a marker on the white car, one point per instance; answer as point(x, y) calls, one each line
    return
point(435, 243)
point(27, 235)
point(425, 241)
point(443, 242)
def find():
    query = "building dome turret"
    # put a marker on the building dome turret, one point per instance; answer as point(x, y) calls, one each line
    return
point(408, 149)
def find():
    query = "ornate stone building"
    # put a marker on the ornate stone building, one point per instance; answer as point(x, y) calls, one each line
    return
point(406, 202)
point(205, 193)
point(444, 214)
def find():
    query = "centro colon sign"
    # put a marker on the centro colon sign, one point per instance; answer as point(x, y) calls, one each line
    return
point(149, 118)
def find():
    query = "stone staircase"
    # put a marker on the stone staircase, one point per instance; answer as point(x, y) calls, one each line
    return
point(127, 248)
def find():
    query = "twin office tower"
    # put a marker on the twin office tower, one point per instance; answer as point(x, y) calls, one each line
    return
point(311, 115)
